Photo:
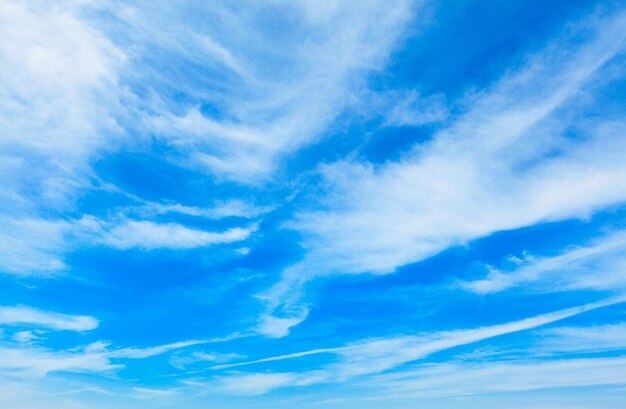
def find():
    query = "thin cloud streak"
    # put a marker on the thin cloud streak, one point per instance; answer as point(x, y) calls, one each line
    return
point(599, 265)
point(21, 315)
point(379, 355)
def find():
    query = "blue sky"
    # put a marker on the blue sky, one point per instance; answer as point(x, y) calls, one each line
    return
point(330, 204)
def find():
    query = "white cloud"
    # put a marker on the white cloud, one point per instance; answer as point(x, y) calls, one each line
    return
point(276, 327)
point(181, 361)
point(140, 353)
point(39, 246)
point(255, 384)
point(599, 338)
point(411, 109)
point(448, 380)
point(38, 362)
point(24, 361)
point(32, 246)
point(231, 208)
point(58, 100)
point(380, 355)
point(374, 356)
point(149, 235)
point(598, 266)
point(45, 319)
point(271, 100)
point(25, 337)
point(504, 164)
point(55, 102)
point(69, 99)
point(286, 356)
point(151, 393)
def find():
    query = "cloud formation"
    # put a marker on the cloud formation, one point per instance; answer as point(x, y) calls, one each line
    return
point(503, 164)
point(404, 204)
point(21, 315)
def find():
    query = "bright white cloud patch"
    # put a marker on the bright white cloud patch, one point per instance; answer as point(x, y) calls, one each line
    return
point(57, 101)
point(45, 319)
point(149, 235)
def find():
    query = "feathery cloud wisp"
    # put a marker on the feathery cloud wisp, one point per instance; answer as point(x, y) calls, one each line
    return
point(21, 315)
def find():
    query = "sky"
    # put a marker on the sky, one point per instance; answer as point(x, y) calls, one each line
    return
point(325, 204)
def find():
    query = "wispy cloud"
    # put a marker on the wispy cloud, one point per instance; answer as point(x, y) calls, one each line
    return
point(68, 73)
point(269, 105)
point(411, 109)
point(232, 208)
point(56, 104)
point(97, 357)
point(449, 380)
point(599, 265)
point(598, 338)
point(151, 393)
point(183, 360)
point(496, 167)
point(149, 235)
point(40, 246)
point(21, 315)
point(379, 355)
point(38, 362)
point(32, 246)
point(168, 136)
point(256, 384)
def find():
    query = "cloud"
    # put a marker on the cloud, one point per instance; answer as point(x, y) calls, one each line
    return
point(32, 246)
point(255, 384)
point(79, 84)
point(598, 338)
point(25, 337)
point(410, 109)
point(56, 103)
point(24, 361)
point(140, 353)
point(151, 393)
point(368, 357)
point(598, 266)
point(448, 380)
point(230, 93)
point(39, 247)
point(503, 164)
point(380, 355)
point(269, 100)
point(181, 361)
point(38, 362)
point(231, 208)
point(149, 235)
point(277, 327)
point(45, 319)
